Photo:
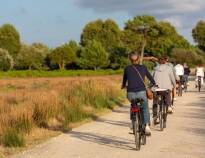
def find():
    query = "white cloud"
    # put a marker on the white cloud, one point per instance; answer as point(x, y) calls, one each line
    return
point(176, 21)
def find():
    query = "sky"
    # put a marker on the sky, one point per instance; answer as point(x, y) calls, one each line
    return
point(54, 22)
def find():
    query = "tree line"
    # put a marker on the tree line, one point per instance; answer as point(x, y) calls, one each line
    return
point(102, 45)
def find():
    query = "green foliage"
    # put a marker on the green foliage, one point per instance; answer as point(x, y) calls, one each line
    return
point(119, 58)
point(161, 37)
point(10, 39)
point(198, 34)
point(55, 73)
point(189, 56)
point(93, 56)
point(107, 32)
point(6, 61)
point(31, 57)
point(12, 138)
point(63, 55)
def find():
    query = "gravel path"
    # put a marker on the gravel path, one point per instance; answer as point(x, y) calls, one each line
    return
point(109, 137)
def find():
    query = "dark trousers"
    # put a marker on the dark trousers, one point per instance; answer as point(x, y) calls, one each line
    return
point(166, 96)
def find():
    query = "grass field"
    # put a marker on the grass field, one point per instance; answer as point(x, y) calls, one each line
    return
point(65, 73)
point(34, 109)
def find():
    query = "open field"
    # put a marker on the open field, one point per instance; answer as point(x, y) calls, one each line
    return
point(109, 136)
point(35, 109)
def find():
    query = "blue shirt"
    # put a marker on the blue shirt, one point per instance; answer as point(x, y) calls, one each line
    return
point(135, 83)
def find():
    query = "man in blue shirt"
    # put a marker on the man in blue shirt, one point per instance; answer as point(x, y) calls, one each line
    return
point(135, 74)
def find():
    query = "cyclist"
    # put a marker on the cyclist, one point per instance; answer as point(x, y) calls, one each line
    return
point(179, 69)
point(186, 73)
point(199, 73)
point(136, 88)
point(171, 64)
point(165, 79)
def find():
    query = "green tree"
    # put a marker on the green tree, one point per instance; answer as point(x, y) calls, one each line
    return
point(6, 61)
point(106, 32)
point(189, 56)
point(10, 39)
point(31, 56)
point(63, 55)
point(198, 34)
point(93, 56)
point(119, 58)
point(161, 37)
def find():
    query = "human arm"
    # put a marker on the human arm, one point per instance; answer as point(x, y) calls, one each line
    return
point(172, 78)
point(149, 76)
point(124, 79)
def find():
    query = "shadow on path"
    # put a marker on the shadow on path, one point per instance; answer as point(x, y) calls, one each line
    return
point(107, 140)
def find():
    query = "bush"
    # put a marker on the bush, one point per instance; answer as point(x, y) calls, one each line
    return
point(6, 61)
point(12, 138)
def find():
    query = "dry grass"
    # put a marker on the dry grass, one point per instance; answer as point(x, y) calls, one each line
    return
point(29, 107)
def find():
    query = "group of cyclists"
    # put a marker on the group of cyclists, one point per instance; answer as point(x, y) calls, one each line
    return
point(166, 77)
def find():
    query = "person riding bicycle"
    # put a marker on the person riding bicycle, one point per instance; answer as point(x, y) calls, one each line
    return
point(179, 69)
point(165, 79)
point(199, 73)
point(186, 73)
point(136, 88)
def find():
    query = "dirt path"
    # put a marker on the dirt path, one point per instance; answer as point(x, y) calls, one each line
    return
point(109, 136)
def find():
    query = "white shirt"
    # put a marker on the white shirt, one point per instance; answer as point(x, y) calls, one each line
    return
point(179, 69)
point(200, 71)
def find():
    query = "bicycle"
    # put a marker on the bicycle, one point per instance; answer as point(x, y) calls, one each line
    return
point(186, 79)
point(180, 86)
point(137, 123)
point(162, 106)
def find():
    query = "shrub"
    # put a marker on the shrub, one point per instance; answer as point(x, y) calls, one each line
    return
point(11, 138)
point(6, 61)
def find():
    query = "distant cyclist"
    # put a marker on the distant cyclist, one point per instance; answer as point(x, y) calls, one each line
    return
point(179, 69)
point(199, 73)
point(186, 73)
point(136, 88)
point(165, 79)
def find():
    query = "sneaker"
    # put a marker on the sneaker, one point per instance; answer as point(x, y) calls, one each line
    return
point(170, 110)
point(147, 130)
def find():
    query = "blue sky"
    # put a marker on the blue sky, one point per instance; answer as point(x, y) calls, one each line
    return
point(54, 22)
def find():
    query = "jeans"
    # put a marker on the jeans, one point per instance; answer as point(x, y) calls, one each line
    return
point(145, 108)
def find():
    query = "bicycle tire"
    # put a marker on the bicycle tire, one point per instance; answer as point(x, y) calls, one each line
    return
point(180, 91)
point(161, 118)
point(199, 85)
point(143, 137)
point(165, 109)
point(137, 132)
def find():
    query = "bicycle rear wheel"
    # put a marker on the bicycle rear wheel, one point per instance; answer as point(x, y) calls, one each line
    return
point(199, 86)
point(143, 136)
point(165, 109)
point(161, 122)
point(136, 131)
point(180, 91)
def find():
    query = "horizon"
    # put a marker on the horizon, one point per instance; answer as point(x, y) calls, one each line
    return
point(64, 20)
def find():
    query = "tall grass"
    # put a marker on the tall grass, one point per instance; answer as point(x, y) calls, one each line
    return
point(65, 101)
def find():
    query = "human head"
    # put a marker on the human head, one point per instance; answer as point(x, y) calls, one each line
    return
point(163, 60)
point(134, 57)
